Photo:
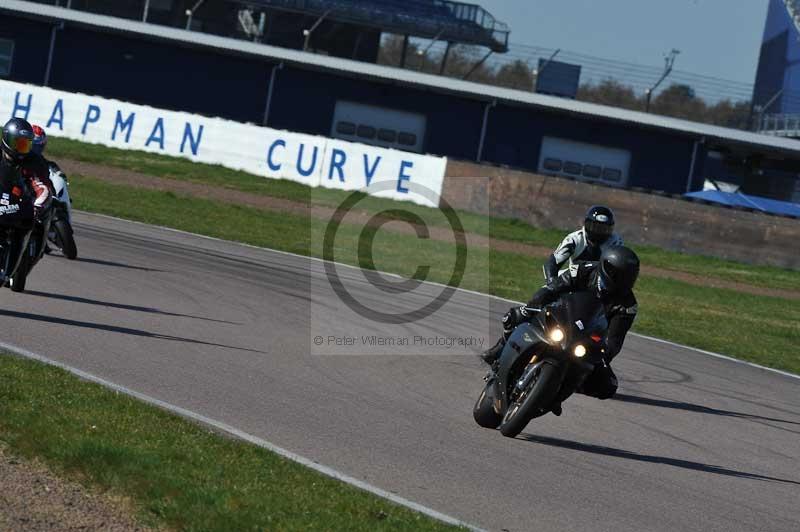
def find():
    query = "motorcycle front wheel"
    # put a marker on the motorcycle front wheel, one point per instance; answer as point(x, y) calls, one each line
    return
point(17, 281)
point(484, 413)
point(532, 402)
point(64, 239)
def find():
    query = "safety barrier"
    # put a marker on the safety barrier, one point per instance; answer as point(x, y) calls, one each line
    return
point(311, 160)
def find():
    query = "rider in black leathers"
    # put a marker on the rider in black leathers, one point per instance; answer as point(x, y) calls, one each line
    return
point(15, 145)
point(611, 279)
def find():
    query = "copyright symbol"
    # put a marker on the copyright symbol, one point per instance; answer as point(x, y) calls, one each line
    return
point(365, 250)
point(318, 340)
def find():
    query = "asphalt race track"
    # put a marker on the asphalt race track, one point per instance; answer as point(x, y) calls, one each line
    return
point(692, 442)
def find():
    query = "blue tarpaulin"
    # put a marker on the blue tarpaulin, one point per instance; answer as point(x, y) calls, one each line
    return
point(737, 199)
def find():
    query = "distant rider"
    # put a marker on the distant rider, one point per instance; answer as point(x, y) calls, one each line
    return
point(611, 279)
point(39, 146)
point(585, 244)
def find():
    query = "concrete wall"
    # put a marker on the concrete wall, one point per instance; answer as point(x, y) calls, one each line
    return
point(642, 218)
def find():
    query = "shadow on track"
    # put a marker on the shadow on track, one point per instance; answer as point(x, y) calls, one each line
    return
point(653, 459)
point(690, 407)
point(121, 306)
point(116, 329)
point(118, 265)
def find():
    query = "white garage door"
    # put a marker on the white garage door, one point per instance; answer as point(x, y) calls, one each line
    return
point(379, 126)
point(588, 162)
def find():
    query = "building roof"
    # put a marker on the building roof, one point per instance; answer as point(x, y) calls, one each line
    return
point(387, 74)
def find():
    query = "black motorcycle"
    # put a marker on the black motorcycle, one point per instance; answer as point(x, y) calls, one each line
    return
point(16, 224)
point(544, 361)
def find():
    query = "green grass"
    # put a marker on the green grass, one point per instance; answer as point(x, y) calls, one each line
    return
point(177, 473)
point(505, 229)
point(756, 328)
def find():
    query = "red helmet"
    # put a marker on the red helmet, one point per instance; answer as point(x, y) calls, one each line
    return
point(39, 140)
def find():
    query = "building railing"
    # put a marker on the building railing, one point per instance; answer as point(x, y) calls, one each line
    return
point(457, 20)
point(781, 125)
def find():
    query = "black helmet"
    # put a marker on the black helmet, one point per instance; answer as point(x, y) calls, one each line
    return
point(618, 271)
point(599, 224)
point(17, 140)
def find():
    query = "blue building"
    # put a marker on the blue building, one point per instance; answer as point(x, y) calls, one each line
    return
point(777, 91)
point(318, 94)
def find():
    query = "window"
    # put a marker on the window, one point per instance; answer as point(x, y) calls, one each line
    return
point(365, 132)
point(346, 128)
point(407, 139)
point(612, 174)
point(6, 55)
point(573, 168)
point(554, 165)
point(593, 171)
point(387, 135)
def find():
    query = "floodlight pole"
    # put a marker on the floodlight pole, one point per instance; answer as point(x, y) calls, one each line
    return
point(146, 9)
point(669, 61)
point(424, 53)
point(538, 71)
point(478, 65)
point(762, 109)
point(547, 63)
point(190, 13)
point(308, 32)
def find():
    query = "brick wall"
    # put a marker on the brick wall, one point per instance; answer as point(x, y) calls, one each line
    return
point(642, 218)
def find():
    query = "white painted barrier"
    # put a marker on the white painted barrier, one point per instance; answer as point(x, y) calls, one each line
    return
point(313, 161)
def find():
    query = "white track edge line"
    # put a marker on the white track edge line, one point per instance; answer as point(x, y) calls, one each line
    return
point(239, 434)
point(434, 283)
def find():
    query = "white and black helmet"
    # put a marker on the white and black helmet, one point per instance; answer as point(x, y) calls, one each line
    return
point(598, 224)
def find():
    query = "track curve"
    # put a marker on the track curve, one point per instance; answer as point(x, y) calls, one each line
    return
point(691, 443)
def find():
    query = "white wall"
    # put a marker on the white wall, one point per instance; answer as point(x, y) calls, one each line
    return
point(314, 161)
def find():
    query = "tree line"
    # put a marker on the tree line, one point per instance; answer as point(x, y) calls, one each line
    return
point(676, 100)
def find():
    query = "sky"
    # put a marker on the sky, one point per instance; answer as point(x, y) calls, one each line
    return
point(719, 38)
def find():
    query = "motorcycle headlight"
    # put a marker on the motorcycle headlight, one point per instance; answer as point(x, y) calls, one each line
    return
point(556, 335)
point(579, 351)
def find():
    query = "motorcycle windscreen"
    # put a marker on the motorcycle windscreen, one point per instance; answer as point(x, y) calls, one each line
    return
point(580, 313)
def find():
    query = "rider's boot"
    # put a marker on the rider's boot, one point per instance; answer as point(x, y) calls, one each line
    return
point(491, 355)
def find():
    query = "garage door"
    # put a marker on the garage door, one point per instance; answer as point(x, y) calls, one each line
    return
point(379, 126)
point(588, 162)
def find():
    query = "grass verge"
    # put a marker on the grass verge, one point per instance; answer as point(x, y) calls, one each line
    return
point(177, 473)
point(756, 328)
point(505, 229)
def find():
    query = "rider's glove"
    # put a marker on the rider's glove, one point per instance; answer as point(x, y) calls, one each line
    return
point(514, 317)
